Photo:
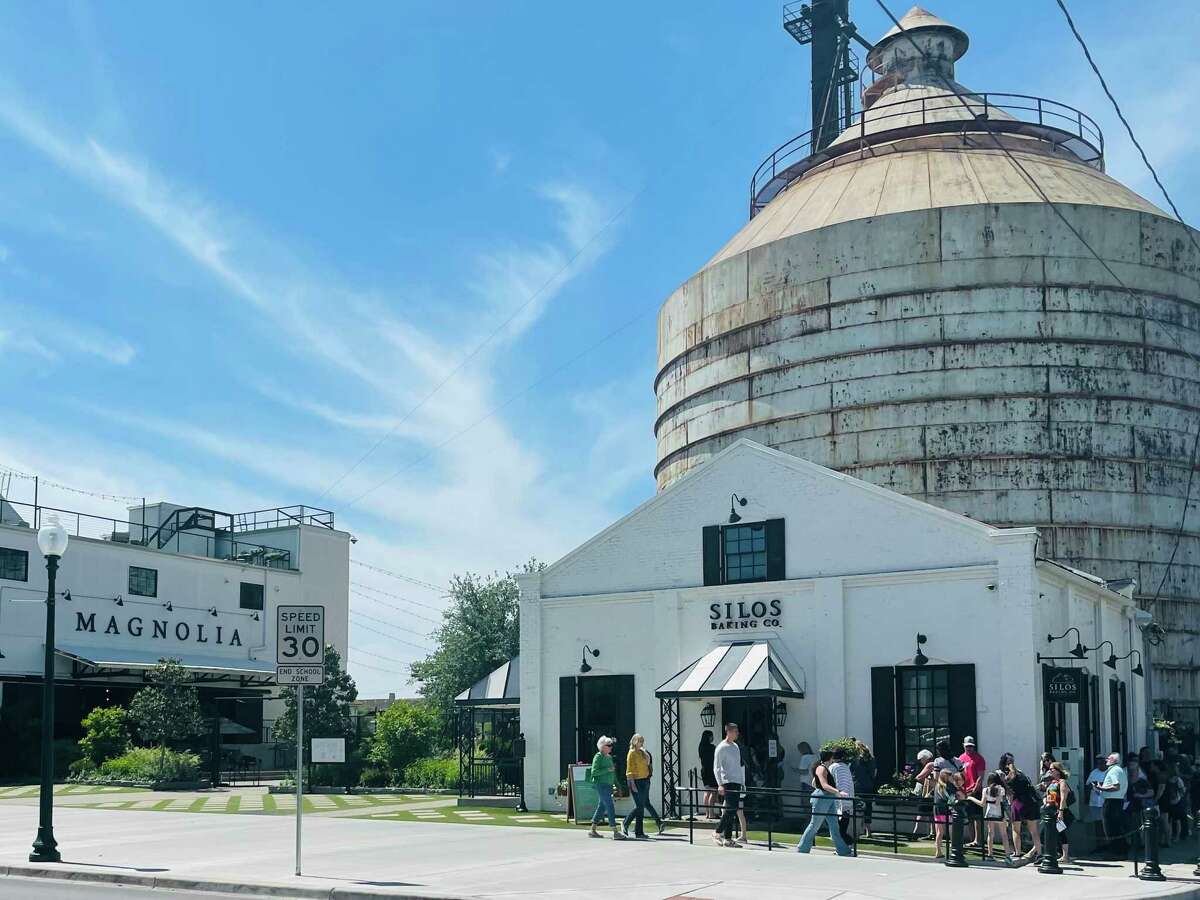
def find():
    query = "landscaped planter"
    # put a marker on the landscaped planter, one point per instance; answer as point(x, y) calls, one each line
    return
point(310, 789)
point(152, 785)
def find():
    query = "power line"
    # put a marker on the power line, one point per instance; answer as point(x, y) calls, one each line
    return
point(398, 576)
point(1175, 209)
point(403, 662)
point(116, 498)
point(386, 624)
point(367, 587)
point(363, 665)
point(1138, 305)
point(399, 609)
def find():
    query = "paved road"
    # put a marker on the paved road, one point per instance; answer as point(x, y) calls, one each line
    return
point(481, 861)
point(44, 889)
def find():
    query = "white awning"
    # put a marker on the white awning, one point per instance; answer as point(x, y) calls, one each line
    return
point(102, 658)
point(742, 669)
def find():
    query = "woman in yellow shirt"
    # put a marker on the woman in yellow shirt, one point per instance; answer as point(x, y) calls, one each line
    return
point(639, 765)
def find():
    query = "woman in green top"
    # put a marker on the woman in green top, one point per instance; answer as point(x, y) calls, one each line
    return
point(602, 774)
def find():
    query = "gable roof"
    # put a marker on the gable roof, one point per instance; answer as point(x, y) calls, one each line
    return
point(802, 467)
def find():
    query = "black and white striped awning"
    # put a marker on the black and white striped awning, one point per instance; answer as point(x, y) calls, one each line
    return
point(501, 687)
point(744, 669)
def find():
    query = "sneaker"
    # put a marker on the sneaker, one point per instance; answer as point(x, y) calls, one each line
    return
point(642, 836)
point(594, 834)
point(619, 835)
point(718, 840)
point(732, 844)
point(743, 841)
point(662, 827)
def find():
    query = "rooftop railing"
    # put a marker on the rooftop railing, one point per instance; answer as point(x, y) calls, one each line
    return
point(122, 531)
point(1035, 117)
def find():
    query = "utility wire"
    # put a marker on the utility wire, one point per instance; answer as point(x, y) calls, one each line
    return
point(390, 624)
point(377, 621)
point(397, 575)
point(363, 665)
point(403, 662)
point(1191, 236)
point(375, 590)
point(1138, 304)
point(399, 609)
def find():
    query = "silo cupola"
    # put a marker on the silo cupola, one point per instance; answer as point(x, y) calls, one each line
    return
point(921, 51)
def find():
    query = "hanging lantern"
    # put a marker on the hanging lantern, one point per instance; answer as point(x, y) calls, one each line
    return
point(708, 715)
point(780, 714)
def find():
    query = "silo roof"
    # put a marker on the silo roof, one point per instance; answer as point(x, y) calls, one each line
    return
point(931, 178)
point(919, 18)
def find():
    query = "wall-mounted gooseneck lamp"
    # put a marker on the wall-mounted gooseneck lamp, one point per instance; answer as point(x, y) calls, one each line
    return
point(1078, 651)
point(921, 659)
point(1111, 662)
point(734, 518)
point(1136, 670)
point(585, 666)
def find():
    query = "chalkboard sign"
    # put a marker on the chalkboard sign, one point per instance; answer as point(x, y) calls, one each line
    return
point(583, 794)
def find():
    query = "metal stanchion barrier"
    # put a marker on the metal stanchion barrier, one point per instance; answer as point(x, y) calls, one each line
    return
point(1048, 862)
point(955, 857)
point(1150, 871)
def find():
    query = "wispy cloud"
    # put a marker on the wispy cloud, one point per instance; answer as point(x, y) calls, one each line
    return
point(52, 338)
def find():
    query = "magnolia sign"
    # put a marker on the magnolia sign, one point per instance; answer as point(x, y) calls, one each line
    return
point(159, 629)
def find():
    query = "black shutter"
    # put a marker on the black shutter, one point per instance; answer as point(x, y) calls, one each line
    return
point(625, 724)
point(712, 554)
point(568, 743)
point(883, 721)
point(960, 680)
point(776, 568)
point(1124, 698)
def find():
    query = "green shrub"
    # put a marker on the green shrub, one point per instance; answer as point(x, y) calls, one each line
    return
point(373, 776)
point(849, 744)
point(143, 764)
point(432, 773)
point(66, 752)
point(404, 733)
point(106, 734)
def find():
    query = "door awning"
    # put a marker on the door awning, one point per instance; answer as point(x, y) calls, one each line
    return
point(743, 669)
point(100, 658)
point(501, 687)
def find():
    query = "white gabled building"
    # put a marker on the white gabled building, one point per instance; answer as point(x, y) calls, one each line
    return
point(800, 621)
point(189, 583)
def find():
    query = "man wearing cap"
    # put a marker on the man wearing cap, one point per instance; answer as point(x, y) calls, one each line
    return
point(1113, 788)
point(974, 770)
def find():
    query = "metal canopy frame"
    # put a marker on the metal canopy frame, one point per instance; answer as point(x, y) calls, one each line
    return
point(488, 773)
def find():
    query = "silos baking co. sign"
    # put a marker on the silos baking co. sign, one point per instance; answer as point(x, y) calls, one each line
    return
point(1063, 685)
point(745, 614)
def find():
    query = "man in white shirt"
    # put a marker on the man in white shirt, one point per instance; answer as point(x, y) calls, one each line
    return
point(843, 780)
point(728, 767)
point(1094, 810)
point(1114, 787)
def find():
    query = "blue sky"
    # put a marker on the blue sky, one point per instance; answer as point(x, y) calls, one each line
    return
point(238, 246)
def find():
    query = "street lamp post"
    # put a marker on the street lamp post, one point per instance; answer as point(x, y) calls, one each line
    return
point(52, 541)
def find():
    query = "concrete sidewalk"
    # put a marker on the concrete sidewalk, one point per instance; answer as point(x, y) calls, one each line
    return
point(363, 858)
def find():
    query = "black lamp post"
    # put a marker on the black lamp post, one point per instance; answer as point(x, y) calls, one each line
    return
point(519, 753)
point(52, 541)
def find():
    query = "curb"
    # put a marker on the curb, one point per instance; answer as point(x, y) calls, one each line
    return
point(224, 887)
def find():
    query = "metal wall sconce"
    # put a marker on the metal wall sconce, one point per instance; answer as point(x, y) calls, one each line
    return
point(1136, 670)
point(168, 607)
point(780, 714)
point(119, 600)
point(1078, 651)
point(585, 666)
point(212, 611)
point(734, 518)
point(921, 659)
point(1111, 662)
point(708, 715)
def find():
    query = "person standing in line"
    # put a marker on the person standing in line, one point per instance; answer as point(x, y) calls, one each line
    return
point(1113, 788)
point(706, 751)
point(602, 774)
point(1094, 811)
point(843, 780)
point(946, 793)
point(824, 815)
point(863, 770)
point(1023, 802)
point(730, 773)
point(638, 769)
point(974, 770)
point(1176, 801)
point(923, 787)
point(991, 802)
point(1058, 794)
point(945, 759)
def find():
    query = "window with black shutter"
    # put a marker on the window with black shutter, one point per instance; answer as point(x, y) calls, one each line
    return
point(143, 582)
point(744, 552)
point(915, 707)
point(14, 564)
point(251, 596)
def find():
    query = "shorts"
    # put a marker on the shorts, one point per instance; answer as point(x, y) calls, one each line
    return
point(1024, 812)
point(941, 818)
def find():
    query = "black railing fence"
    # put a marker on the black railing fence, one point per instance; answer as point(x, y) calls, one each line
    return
point(891, 820)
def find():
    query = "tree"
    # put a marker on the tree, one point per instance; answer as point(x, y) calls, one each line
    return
point(168, 708)
point(105, 734)
point(326, 706)
point(404, 733)
point(480, 630)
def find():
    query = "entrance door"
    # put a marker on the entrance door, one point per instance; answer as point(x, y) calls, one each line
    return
point(756, 727)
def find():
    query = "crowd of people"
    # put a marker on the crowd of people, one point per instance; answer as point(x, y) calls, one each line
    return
point(1003, 806)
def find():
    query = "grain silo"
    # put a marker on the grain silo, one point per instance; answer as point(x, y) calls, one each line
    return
point(904, 305)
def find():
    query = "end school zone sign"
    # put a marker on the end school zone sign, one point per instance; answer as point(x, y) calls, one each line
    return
point(300, 645)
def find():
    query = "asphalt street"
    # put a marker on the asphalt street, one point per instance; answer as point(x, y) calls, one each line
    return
point(14, 888)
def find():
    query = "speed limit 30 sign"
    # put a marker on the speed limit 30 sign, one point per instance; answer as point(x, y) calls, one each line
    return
point(300, 645)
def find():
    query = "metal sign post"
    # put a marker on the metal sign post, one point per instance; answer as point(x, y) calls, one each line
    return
point(300, 660)
point(299, 767)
